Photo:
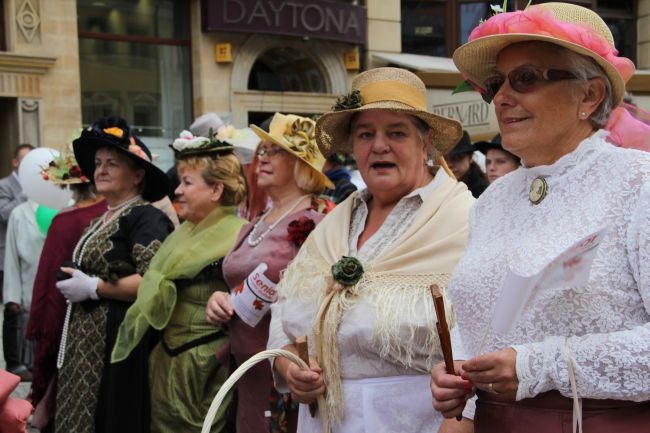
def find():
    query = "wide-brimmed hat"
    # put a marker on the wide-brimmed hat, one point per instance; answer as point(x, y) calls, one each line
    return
point(484, 146)
point(573, 27)
point(295, 134)
point(463, 146)
point(391, 89)
point(115, 133)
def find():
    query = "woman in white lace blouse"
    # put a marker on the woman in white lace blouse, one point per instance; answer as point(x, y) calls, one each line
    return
point(362, 277)
point(554, 77)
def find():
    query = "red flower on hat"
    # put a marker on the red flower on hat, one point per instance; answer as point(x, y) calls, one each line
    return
point(137, 150)
point(299, 230)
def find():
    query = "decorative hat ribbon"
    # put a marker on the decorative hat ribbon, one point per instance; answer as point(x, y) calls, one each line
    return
point(541, 21)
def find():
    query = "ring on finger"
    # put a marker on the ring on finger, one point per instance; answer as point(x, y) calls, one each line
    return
point(491, 389)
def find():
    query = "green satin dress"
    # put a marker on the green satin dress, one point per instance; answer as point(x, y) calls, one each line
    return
point(195, 374)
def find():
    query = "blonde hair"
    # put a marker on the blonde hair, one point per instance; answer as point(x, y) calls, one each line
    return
point(307, 178)
point(223, 169)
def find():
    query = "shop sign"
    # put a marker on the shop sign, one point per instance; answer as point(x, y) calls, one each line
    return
point(470, 114)
point(319, 19)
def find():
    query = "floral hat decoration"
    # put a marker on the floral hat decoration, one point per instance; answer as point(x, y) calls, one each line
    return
point(296, 135)
point(219, 143)
point(574, 27)
point(64, 170)
point(115, 133)
point(392, 89)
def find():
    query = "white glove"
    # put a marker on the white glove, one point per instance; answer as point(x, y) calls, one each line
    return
point(79, 287)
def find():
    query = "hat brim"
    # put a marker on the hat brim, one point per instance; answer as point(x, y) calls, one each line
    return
point(476, 60)
point(268, 137)
point(156, 181)
point(484, 146)
point(333, 129)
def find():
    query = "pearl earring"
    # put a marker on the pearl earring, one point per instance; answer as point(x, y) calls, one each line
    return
point(583, 115)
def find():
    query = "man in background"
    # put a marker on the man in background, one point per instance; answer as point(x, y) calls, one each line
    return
point(10, 196)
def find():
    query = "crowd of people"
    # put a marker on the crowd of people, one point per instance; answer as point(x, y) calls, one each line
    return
point(129, 313)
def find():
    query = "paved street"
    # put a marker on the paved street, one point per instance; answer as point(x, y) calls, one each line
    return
point(23, 387)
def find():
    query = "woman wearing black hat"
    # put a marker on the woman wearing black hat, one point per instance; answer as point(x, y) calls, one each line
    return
point(498, 161)
point(459, 159)
point(94, 395)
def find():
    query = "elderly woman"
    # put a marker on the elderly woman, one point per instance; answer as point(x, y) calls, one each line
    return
point(363, 277)
point(111, 257)
point(48, 304)
point(554, 76)
point(498, 161)
point(289, 171)
point(184, 373)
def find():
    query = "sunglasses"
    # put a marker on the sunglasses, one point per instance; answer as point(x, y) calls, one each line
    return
point(269, 151)
point(524, 79)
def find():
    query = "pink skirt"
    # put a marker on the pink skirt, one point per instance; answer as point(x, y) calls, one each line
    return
point(550, 412)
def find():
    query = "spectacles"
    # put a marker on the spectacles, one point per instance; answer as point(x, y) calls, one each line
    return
point(269, 151)
point(524, 79)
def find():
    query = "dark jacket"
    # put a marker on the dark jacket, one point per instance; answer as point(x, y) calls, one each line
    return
point(475, 180)
point(340, 177)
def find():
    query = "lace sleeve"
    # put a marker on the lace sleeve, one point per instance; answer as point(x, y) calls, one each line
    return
point(607, 365)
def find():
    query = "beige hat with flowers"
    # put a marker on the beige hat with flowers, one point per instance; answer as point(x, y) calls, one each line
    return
point(574, 27)
point(64, 170)
point(295, 134)
point(384, 89)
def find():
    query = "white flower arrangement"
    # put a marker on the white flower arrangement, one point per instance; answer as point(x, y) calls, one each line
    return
point(187, 141)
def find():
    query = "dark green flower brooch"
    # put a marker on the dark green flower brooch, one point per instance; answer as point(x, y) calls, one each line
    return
point(347, 271)
point(348, 102)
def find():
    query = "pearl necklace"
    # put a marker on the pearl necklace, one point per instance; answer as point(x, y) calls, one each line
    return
point(99, 224)
point(252, 241)
point(78, 254)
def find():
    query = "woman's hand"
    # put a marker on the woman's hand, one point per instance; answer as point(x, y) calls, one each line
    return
point(79, 287)
point(453, 426)
point(305, 386)
point(494, 373)
point(449, 392)
point(219, 309)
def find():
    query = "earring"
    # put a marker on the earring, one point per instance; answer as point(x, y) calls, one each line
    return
point(583, 115)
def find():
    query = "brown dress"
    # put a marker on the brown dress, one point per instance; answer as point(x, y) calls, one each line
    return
point(551, 412)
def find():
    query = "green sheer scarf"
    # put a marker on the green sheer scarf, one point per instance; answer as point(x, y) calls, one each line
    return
point(184, 254)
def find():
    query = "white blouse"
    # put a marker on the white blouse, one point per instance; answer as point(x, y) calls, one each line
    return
point(605, 325)
point(360, 355)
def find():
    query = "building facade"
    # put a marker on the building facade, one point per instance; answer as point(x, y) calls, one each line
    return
point(161, 63)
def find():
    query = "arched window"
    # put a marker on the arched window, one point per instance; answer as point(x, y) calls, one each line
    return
point(285, 69)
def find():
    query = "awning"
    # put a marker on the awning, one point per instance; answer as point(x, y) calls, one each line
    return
point(418, 62)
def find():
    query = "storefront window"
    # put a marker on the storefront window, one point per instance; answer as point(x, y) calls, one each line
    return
point(135, 62)
point(424, 27)
point(286, 70)
point(437, 28)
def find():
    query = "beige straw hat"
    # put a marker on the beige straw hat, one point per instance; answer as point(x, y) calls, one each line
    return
point(295, 134)
point(388, 89)
point(573, 27)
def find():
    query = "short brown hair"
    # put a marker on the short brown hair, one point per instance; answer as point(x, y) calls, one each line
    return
point(223, 169)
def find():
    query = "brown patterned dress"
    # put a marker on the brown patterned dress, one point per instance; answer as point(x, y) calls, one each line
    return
point(94, 396)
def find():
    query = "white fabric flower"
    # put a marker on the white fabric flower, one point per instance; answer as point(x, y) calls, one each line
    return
point(187, 141)
point(225, 132)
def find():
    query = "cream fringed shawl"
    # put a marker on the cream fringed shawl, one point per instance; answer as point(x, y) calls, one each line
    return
point(395, 283)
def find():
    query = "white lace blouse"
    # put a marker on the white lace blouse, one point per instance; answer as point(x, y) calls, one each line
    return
point(605, 324)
